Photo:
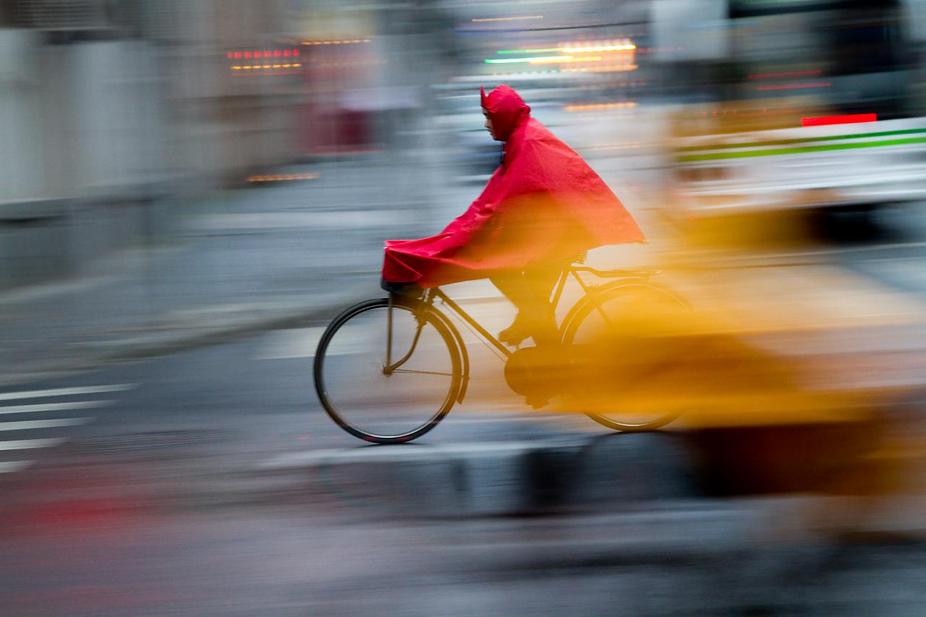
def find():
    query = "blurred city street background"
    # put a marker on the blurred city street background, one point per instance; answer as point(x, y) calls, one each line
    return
point(193, 189)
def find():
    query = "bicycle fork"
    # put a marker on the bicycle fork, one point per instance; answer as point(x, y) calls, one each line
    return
point(390, 367)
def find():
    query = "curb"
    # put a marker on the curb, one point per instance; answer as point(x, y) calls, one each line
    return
point(208, 330)
point(598, 473)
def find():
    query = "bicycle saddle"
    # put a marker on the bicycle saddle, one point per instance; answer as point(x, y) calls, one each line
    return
point(410, 290)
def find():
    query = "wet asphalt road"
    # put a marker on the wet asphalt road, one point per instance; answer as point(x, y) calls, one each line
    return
point(138, 496)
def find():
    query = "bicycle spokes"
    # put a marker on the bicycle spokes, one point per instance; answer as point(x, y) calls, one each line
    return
point(396, 400)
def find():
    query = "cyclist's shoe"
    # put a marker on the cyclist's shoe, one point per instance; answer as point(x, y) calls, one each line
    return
point(515, 334)
point(536, 401)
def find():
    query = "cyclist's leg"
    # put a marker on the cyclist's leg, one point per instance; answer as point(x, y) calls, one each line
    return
point(513, 286)
point(529, 290)
point(540, 280)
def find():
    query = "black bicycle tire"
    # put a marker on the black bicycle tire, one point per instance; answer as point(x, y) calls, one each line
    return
point(434, 318)
point(574, 319)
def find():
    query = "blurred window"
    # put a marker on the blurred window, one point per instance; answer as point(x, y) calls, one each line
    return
point(99, 16)
point(850, 55)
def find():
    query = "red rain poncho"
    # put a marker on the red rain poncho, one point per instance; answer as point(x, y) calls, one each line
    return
point(542, 204)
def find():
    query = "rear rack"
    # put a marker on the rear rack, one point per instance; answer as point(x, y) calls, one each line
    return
point(616, 273)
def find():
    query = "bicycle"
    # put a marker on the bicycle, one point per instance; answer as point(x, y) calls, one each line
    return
point(397, 337)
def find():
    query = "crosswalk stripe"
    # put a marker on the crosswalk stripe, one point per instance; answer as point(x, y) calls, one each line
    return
point(53, 407)
point(37, 424)
point(28, 444)
point(9, 396)
point(13, 466)
point(25, 425)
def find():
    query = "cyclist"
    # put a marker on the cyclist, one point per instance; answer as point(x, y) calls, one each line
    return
point(542, 206)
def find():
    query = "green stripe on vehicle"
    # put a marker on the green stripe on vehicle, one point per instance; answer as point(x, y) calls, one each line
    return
point(801, 140)
point(716, 156)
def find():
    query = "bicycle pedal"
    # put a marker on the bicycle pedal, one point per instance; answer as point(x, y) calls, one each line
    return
point(537, 402)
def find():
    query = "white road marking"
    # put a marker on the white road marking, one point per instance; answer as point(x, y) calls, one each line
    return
point(905, 271)
point(28, 444)
point(401, 454)
point(53, 407)
point(50, 290)
point(302, 342)
point(342, 219)
point(527, 416)
point(13, 466)
point(292, 343)
point(9, 396)
point(27, 425)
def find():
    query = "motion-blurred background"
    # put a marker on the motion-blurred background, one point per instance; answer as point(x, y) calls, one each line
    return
point(116, 114)
point(177, 174)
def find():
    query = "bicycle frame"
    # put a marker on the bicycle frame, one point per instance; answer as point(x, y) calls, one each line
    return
point(437, 294)
point(518, 362)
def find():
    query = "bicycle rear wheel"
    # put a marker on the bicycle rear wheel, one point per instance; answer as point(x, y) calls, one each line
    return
point(593, 321)
point(381, 404)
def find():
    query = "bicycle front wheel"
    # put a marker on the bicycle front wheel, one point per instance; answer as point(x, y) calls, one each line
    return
point(388, 400)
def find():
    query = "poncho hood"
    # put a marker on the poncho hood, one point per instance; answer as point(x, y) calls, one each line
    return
point(506, 109)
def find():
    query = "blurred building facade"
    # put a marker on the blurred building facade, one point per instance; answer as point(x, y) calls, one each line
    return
point(113, 113)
